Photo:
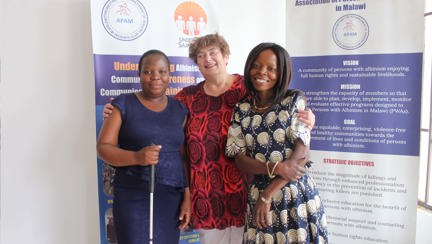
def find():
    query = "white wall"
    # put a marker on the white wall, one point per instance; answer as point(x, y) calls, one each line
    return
point(424, 223)
point(48, 159)
point(48, 178)
point(242, 35)
point(48, 170)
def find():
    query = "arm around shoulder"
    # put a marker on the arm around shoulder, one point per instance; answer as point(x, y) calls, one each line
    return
point(107, 143)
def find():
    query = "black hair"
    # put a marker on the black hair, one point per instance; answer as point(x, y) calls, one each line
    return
point(280, 90)
point(152, 52)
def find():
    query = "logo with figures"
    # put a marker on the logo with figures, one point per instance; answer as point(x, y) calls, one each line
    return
point(190, 19)
point(125, 20)
point(350, 31)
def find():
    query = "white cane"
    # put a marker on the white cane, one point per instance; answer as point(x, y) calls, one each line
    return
point(152, 181)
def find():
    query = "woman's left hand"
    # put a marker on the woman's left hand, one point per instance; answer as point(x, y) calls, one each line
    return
point(261, 212)
point(185, 210)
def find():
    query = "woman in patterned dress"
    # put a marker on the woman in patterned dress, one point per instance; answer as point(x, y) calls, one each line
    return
point(267, 140)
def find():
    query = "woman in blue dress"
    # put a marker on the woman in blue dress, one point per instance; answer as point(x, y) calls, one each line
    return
point(146, 128)
point(267, 140)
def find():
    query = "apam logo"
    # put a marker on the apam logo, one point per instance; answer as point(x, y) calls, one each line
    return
point(350, 31)
point(190, 19)
point(124, 20)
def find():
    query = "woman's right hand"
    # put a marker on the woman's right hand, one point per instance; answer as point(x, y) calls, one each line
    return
point(148, 155)
point(290, 170)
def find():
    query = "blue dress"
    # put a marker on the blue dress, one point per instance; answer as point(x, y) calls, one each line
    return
point(297, 211)
point(142, 127)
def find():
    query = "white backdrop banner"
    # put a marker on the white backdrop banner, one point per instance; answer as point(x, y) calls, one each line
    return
point(122, 30)
point(360, 64)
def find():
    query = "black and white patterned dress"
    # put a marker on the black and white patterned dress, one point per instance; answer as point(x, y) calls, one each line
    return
point(297, 212)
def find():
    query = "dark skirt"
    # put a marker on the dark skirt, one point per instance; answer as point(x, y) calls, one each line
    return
point(131, 209)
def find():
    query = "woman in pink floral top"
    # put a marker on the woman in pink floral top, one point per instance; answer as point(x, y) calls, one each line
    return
point(218, 187)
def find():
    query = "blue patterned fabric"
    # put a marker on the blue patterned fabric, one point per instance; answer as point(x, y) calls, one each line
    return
point(297, 211)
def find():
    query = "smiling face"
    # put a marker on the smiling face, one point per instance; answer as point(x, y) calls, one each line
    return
point(154, 75)
point(211, 61)
point(264, 72)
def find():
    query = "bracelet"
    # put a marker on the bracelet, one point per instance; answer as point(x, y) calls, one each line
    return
point(268, 170)
point(266, 201)
point(273, 170)
point(271, 175)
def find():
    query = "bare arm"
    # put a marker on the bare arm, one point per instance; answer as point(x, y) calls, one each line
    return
point(184, 156)
point(250, 165)
point(108, 150)
point(292, 165)
point(290, 169)
point(185, 208)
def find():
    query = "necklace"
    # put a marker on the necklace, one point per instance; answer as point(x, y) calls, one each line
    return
point(261, 108)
